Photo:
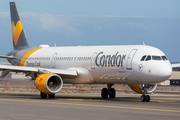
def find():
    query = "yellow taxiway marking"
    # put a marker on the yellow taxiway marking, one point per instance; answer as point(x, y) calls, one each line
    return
point(166, 98)
point(91, 105)
point(81, 99)
point(163, 101)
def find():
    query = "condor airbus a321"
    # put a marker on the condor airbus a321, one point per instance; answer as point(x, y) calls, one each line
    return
point(139, 66)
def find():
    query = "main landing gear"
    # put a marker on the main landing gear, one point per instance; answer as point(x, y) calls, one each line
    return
point(145, 97)
point(44, 96)
point(108, 91)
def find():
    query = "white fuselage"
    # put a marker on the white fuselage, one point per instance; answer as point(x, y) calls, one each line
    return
point(105, 64)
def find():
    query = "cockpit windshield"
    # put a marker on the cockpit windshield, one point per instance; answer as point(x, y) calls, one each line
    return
point(148, 58)
point(142, 59)
point(156, 57)
point(153, 57)
point(164, 57)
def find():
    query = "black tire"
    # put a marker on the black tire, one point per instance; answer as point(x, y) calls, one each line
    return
point(104, 93)
point(43, 96)
point(147, 98)
point(143, 98)
point(112, 93)
point(51, 95)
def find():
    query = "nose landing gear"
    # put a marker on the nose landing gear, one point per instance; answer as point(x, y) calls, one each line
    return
point(145, 97)
point(108, 91)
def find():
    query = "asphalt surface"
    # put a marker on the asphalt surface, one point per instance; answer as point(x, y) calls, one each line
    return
point(26, 106)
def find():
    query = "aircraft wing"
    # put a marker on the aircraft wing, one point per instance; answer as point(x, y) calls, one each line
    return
point(175, 65)
point(67, 73)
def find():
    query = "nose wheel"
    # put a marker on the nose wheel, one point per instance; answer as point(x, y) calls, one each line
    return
point(145, 98)
point(108, 91)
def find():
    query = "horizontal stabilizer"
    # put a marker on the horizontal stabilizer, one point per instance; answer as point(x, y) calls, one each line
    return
point(8, 57)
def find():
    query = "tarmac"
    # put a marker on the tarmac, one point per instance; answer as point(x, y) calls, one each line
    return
point(87, 106)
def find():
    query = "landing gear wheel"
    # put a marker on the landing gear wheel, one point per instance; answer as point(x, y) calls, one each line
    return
point(143, 98)
point(51, 95)
point(147, 98)
point(43, 96)
point(104, 93)
point(112, 93)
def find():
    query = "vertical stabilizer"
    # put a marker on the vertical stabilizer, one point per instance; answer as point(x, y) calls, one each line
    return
point(18, 34)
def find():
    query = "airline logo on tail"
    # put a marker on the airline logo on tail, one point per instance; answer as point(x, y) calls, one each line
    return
point(16, 31)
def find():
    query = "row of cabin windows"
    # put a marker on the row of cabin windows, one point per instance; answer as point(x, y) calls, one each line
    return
point(153, 57)
point(39, 58)
point(71, 58)
point(60, 58)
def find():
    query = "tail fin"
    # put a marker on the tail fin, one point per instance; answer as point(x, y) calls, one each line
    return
point(18, 34)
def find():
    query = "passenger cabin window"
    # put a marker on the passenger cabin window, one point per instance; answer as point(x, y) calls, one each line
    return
point(164, 57)
point(142, 59)
point(148, 58)
point(156, 57)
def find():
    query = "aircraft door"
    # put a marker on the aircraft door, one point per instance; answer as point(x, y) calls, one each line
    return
point(53, 60)
point(130, 59)
point(93, 60)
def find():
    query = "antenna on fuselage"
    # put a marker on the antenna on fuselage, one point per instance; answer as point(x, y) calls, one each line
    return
point(143, 43)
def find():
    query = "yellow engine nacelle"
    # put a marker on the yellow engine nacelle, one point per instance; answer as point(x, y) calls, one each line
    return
point(49, 83)
point(139, 88)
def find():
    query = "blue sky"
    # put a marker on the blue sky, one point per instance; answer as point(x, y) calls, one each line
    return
point(148, 8)
point(96, 22)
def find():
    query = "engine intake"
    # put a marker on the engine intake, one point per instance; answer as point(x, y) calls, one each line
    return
point(49, 83)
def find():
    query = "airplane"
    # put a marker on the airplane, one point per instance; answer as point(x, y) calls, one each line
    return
point(139, 66)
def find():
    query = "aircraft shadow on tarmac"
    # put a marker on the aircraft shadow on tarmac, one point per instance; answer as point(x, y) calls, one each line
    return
point(68, 97)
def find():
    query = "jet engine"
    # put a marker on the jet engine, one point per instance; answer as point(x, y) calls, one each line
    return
point(49, 83)
point(140, 88)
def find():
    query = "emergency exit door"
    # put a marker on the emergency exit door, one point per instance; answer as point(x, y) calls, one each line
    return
point(130, 59)
point(53, 60)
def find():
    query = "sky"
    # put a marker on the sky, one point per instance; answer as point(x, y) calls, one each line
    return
point(96, 22)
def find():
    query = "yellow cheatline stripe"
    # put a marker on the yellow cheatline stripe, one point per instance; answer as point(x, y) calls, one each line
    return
point(91, 105)
point(23, 60)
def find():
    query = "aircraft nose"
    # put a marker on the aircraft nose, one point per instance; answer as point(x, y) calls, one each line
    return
point(166, 71)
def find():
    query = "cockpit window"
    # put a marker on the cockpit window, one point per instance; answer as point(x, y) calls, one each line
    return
point(164, 57)
point(148, 58)
point(142, 59)
point(153, 57)
point(156, 57)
